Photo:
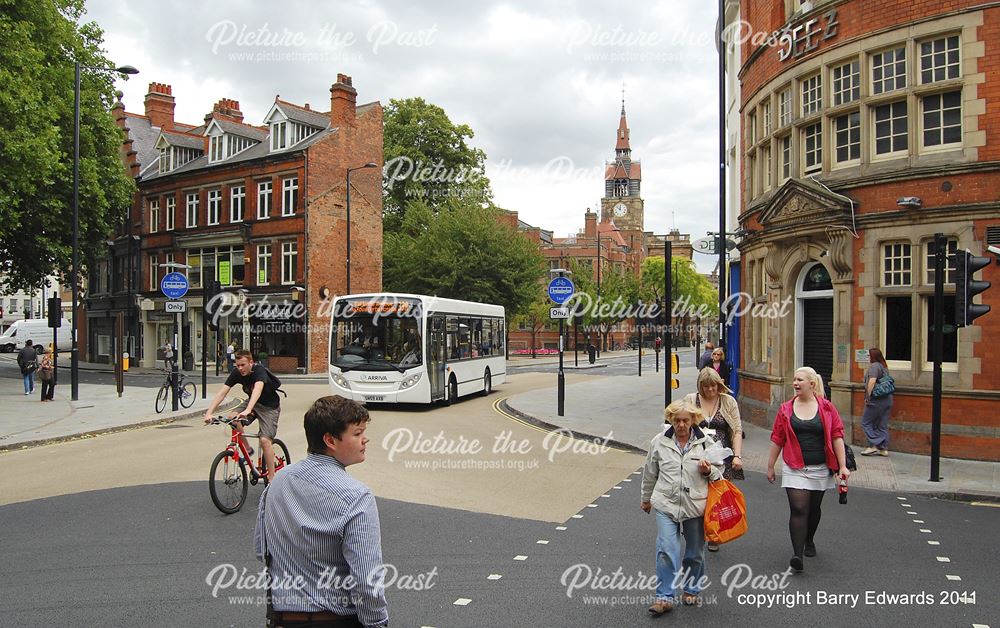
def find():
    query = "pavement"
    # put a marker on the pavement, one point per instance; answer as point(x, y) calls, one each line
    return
point(625, 411)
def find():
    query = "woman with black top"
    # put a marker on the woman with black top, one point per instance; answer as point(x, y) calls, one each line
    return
point(809, 435)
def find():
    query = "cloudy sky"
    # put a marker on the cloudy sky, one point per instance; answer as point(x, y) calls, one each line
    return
point(539, 82)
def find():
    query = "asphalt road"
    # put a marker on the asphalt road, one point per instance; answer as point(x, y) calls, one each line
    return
point(617, 366)
point(119, 531)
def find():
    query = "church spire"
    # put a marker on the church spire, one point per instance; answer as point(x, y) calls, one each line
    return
point(623, 150)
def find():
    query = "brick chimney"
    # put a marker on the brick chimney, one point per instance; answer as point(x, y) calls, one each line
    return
point(160, 106)
point(343, 102)
point(229, 109)
point(590, 224)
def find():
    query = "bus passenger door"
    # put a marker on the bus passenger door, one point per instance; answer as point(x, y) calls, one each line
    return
point(436, 350)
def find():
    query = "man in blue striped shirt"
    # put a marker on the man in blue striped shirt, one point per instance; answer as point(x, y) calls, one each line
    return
point(319, 528)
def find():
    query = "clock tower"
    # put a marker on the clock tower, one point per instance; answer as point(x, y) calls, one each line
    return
point(622, 178)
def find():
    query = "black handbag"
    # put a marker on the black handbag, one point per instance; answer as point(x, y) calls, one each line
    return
point(852, 464)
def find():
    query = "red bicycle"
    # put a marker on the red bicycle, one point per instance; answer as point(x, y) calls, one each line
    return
point(227, 481)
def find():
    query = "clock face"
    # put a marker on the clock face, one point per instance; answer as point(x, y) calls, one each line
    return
point(620, 209)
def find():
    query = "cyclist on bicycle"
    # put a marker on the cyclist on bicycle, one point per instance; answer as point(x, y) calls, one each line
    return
point(262, 401)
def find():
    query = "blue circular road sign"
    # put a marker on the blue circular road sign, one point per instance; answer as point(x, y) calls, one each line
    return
point(561, 289)
point(174, 285)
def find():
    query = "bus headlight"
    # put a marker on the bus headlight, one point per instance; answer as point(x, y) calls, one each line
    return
point(340, 381)
point(409, 381)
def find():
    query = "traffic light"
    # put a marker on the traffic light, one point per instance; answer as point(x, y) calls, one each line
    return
point(966, 265)
point(55, 312)
point(213, 304)
point(675, 368)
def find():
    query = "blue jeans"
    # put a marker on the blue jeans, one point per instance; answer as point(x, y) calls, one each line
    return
point(668, 556)
point(29, 383)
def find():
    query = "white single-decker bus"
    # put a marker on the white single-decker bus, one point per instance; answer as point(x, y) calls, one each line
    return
point(407, 348)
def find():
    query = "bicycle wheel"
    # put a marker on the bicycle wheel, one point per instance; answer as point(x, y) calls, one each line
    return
point(188, 393)
point(161, 398)
point(281, 457)
point(227, 482)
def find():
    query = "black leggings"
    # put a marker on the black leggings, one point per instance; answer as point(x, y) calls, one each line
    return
point(804, 518)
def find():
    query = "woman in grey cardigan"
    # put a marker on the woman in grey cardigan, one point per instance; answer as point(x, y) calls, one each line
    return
point(875, 420)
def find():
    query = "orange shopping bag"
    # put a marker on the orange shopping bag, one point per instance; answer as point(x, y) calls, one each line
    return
point(725, 512)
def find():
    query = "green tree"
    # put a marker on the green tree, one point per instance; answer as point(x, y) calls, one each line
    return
point(428, 160)
point(535, 316)
point(39, 43)
point(618, 294)
point(692, 293)
point(464, 253)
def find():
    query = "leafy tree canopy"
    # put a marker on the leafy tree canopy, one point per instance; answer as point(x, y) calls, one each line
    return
point(39, 43)
point(686, 283)
point(428, 160)
point(464, 253)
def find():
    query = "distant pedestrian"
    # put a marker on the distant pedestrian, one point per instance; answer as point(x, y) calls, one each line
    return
point(230, 356)
point(47, 375)
point(27, 360)
point(809, 435)
point(315, 520)
point(168, 354)
point(675, 484)
point(718, 362)
point(722, 414)
point(706, 355)
point(875, 420)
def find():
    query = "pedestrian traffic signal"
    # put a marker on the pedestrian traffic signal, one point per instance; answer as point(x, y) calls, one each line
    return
point(966, 265)
point(55, 312)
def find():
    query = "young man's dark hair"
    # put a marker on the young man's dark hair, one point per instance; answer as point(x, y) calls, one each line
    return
point(244, 353)
point(331, 415)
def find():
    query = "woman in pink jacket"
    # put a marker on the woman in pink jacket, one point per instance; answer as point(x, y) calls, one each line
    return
point(809, 435)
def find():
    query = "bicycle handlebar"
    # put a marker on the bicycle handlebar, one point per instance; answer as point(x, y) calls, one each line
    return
point(219, 420)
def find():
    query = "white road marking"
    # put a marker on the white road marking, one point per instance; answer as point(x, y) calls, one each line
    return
point(943, 559)
point(578, 516)
point(906, 505)
point(636, 472)
point(591, 505)
point(520, 557)
point(561, 528)
point(902, 499)
point(606, 495)
point(934, 542)
point(925, 530)
point(627, 480)
point(910, 512)
point(918, 521)
point(617, 488)
point(494, 576)
point(462, 601)
point(980, 626)
point(950, 577)
point(541, 542)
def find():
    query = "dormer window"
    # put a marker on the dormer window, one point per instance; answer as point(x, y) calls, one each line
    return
point(279, 135)
point(165, 159)
point(173, 156)
point(302, 131)
point(216, 148)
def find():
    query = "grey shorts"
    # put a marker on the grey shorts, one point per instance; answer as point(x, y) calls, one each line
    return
point(267, 418)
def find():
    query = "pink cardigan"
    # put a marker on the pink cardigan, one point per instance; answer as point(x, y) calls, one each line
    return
point(783, 436)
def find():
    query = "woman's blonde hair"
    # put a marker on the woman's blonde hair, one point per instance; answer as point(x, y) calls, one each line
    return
point(709, 375)
point(719, 350)
point(815, 378)
point(697, 416)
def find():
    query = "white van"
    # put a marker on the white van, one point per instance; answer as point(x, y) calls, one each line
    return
point(38, 331)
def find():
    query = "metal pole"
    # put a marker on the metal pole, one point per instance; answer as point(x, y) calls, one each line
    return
point(722, 174)
point(576, 341)
point(348, 231)
point(173, 366)
point(562, 377)
point(668, 299)
point(640, 349)
point(600, 336)
point(204, 345)
point(940, 246)
point(74, 355)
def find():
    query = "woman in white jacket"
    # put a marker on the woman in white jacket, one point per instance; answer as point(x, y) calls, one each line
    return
point(675, 484)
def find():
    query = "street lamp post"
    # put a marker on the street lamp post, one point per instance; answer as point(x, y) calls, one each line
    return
point(370, 164)
point(74, 353)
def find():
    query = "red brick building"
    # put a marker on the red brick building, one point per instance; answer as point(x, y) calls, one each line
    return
point(866, 130)
point(615, 242)
point(261, 209)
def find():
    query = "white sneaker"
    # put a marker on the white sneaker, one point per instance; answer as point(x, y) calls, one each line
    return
point(27, 393)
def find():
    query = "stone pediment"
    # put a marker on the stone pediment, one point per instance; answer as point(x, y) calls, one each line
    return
point(802, 203)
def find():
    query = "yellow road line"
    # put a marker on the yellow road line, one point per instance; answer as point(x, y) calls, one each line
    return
point(496, 407)
point(987, 504)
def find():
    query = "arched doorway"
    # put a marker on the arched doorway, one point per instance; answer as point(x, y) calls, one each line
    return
point(814, 321)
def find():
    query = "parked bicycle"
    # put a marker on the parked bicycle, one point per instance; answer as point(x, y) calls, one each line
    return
point(227, 480)
point(187, 392)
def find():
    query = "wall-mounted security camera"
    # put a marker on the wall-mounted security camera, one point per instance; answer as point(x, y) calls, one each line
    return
point(911, 202)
